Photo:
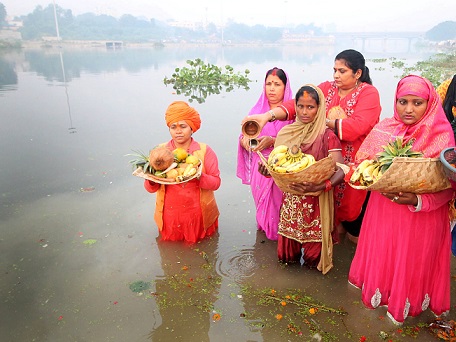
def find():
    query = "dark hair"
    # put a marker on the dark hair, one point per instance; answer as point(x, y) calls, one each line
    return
point(279, 73)
point(312, 92)
point(450, 100)
point(355, 60)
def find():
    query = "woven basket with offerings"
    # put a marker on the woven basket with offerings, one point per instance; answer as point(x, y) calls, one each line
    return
point(314, 172)
point(166, 167)
point(399, 169)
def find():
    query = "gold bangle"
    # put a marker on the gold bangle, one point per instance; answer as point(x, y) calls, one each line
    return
point(273, 117)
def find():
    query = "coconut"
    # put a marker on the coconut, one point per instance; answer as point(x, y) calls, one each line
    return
point(160, 158)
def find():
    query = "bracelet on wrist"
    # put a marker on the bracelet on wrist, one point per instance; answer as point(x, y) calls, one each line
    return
point(273, 116)
point(328, 185)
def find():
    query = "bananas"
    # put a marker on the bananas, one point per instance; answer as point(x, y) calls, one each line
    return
point(369, 171)
point(277, 150)
point(189, 172)
point(289, 160)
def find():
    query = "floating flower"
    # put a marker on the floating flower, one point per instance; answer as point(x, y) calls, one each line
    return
point(278, 317)
point(283, 303)
point(362, 339)
point(287, 297)
point(216, 317)
point(184, 268)
point(273, 292)
point(312, 311)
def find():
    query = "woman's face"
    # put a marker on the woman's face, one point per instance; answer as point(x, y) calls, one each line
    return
point(345, 77)
point(306, 108)
point(274, 89)
point(411, 108)
point(180, 132)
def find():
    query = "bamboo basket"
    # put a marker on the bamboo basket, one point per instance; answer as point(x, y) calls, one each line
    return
point(318, 172)
point(415, 175)
point(167, 181)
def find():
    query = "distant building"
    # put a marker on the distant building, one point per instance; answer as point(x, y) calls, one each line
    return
point(291, 38)
point(187, 25)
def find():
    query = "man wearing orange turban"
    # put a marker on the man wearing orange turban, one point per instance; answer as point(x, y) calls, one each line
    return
point(188, 211)
point(181, 111)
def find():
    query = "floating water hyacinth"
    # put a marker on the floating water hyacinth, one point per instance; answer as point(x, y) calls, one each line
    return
point(200, 80)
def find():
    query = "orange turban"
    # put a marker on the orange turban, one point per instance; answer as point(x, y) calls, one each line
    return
point(181, 111)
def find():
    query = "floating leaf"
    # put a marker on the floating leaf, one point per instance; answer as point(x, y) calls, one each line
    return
point(139, 286)
point(89, 242)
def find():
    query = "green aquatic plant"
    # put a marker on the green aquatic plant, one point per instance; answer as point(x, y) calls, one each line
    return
point(199, 80)
point(293, 312)
point(436, 68)
point(140, 286)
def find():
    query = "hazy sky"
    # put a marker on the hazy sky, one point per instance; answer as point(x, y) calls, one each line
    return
point(346, 15)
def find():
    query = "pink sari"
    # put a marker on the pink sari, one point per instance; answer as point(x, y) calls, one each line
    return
point(402, 259)
point(266, 194)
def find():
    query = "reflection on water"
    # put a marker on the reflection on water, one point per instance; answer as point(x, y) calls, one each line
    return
point(186, 291)
point(8, 76)
point(56, 288)
point(71, 129)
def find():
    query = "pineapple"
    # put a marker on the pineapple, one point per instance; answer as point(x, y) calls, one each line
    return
point(394, 149)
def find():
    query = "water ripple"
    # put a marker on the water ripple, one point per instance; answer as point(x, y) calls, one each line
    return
point(237, 264)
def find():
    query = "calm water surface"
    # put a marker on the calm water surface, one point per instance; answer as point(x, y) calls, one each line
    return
point(80, 257)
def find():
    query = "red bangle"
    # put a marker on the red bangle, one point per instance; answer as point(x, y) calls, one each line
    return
point(328, 185)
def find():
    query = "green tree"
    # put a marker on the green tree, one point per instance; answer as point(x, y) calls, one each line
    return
point(2, 15)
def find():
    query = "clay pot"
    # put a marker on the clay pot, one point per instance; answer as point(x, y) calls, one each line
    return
point(251, 129)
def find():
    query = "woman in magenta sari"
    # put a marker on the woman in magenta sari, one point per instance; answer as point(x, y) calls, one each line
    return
point(402, 260)
point(267, 196)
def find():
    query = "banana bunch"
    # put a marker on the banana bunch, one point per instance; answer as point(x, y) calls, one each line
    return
point(370, 170)
point(394, 149)
point(289, 160)
point(367, 172)
point(188, 173)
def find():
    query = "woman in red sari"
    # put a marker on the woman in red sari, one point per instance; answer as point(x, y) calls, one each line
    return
point(352, 109)
point(402, 260)
point(187, 211)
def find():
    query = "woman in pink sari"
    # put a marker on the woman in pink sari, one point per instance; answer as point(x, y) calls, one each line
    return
point(402, 260)
point(267, 196)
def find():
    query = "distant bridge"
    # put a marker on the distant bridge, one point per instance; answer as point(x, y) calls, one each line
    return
point(381, 40)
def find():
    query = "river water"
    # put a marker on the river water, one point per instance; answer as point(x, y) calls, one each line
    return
point(80, 257)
